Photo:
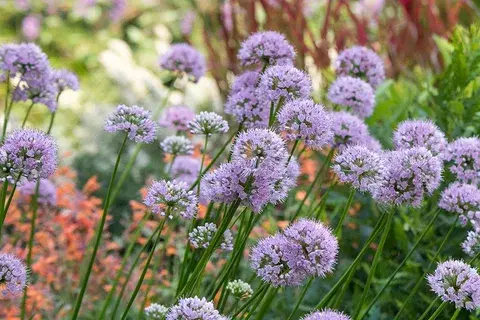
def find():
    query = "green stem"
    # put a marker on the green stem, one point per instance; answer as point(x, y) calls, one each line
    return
point(455, 315)
point(99, 232)
point(202, 162)
point(300, 299)
point(6, 112)
point(264, 287)
point(3, 198)
point(438, 311)
point(271, 117)
point(338, 228)
point(293, 150)
point(9, 202)
point(52, 119)
point(27, 114)
point(264, 307)
point(429, 308)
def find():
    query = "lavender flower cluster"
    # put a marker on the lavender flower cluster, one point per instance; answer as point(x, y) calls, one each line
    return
point(201, 236)
point(13, 275)
point(184, 60)
point(171, 197)
point(193, 309)
point(134, 121)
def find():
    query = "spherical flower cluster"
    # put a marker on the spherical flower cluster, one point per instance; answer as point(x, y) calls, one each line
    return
point(156, 311)
point(326, 314)
point(194, 309)
point(227, 244)
point(353, 93)
point(171, 197)
point(284, 82)
point(65, 79)
point(183, 59)
point(208, 123)
point(464, 153)
point(463, 199)
point(267, 48)
point(47, 192)
point(409, 175)
point(42, 90)
point(200, 237)
point(135, 121)
point(471, 245)
point(27, 154)
point(246, 80)
point(319, 246)
point(13, 275)
point(372, 144)
point(455, 281)
point(286, 181)
point(363, 63)
point(186, 169)
point(240, 289)
point(26, 60)
point(419, 133)
point(177, 118)
point(223, 184)
point(362, 168)
point(306, 120)
point(177, 145)
point(348, 129)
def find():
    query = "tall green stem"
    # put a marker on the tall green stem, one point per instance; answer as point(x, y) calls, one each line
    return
point(5, 207)
point(99, 232)
point(293, 150)
point(438, 311)
point(27, 114)
point(202, 162)
point(338, 228)
point(300, 299)
point(259, 292)
point(6, 111)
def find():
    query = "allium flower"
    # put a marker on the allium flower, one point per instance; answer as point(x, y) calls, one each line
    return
point(223, 184)
point(357, 165)
point(13, 275)
point(27, 154)
point(285, 181)
point(306, 120)
point(409, 175)
point(326, 314)
point(186, 169)
point(208, 123)
point(187, 22)
point(65, 79)
point(285, 82)
point(279, 261)
point(348, 129)
point(227, 244)
point(373, 144)
point(319, 246)
point(177, 118)
point(455, 281)
point(177, 145)
point(420, 133)
point(41, 90)
point(471, 245)
point(267, 48)
point(26, 60)
point(117, 10)
point(463, 199)
point(363, 63)
point(353, 93)
point(247, 80)
point(240, 289)
point(183, 59)
point(31, 26)
point(171, 197)
point(464, 153)
point(194, 309)
point(156, 311)
point(135, 121)
point(47, 192)
point(200, 236)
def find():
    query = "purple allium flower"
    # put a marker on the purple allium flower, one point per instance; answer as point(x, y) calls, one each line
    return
point(183, 59)
point(171, 197)
point(38, 89)
point(65, 79)
point(361, 62)
point(226, 12)
point(47, 192)
point(464, 153)
point(420, 133)
point(13, 275)
point(409, 175)
point(239, 289)
point(267, 48)
point(25, 59)
point(357, 165)
point(326, 314)
point(186, 169)
point(455, 281)
point(306, 120)
point(353, 93)
point(31, 26)
point(276, 260)
point(208, 123)
point(187, 22)
point(285, 181)
point(319, 246)
point(156, 311)
point(471, 245)
point(463, 199)
point(227, 244)
point(200, 236)
point(284, 82)
point(246, 80)
point(117, 10)
point(28, 154)
point(135, 121)
point(372, 144)
point(348, 129)
point(177, 118)
point(177, 145)
point(194, 309)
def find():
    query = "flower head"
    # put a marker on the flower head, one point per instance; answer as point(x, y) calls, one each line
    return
point(171, 197)
point(268, 48)
point(306, 120)
point(246, 80)
point(227, 244)
point(464, 154)
point(208, 123)
point(27, 154)
point(357, 165)
point(65, 79)
point(471, 245)
point(135, 121)
point(177, 118)
point(31, 26)
point(194, 309)
point(419, 133)
point(13, 275)
point(372, 144)
point(455, 281)
point(326, 314)
point(39, 89)
point(353, 93)
point(47, 192)
point(285, 181)
point(26, 60)
point(463, 199)
point(177, 145)
point(348, 129)
point(240, 289)
point(363, 63)
point(200, 237)
point(183, 59)
point(285, 82)
point(186, 169)
point(156, 311)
